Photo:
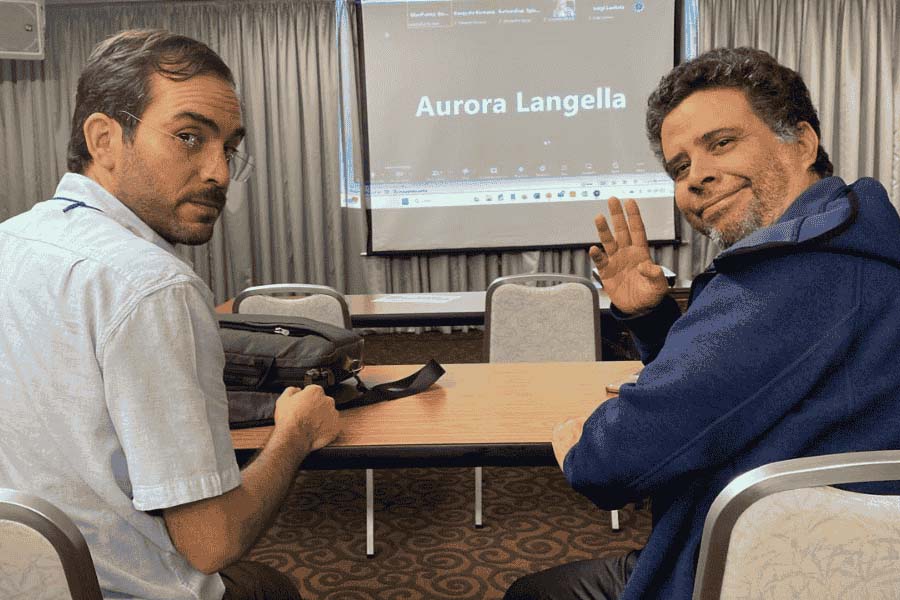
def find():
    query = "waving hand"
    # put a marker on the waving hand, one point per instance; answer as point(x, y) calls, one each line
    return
point(632, 280)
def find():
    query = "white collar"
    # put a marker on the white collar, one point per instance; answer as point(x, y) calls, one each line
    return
point(80, 188)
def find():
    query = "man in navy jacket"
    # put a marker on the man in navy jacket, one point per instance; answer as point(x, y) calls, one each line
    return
point(790, 343)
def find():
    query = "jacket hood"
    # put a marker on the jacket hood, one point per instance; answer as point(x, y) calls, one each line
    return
point(831, 216)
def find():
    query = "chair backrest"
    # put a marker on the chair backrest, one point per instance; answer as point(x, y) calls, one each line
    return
point(318, 302)
point(42, 553)
point(779, 532)
point(559, 323)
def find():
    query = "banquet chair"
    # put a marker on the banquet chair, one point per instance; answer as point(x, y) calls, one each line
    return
point(526, 323)
point(318, 302)
point(42, 553)
point(780, 532)
point(321, 303)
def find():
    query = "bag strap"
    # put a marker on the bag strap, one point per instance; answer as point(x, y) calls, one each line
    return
point(419, 381)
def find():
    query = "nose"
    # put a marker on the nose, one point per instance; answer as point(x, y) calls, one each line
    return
point(701, 174)
point(215, 168)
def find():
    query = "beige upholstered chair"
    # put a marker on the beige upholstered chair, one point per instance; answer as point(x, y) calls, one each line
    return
point(318, 302)
point(525, 323)
point(778, 532)
point(43, 556)
point(559, 323)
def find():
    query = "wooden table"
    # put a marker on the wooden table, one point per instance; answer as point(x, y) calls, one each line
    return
point(480, 414)
point(476, 414)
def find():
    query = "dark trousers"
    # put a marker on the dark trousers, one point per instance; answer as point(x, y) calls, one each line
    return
point(595, 579)
point(246, 580)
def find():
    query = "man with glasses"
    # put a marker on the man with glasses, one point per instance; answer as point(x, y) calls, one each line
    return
point(110, 362)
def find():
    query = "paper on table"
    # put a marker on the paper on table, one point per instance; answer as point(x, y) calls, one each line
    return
point(417, 298)
point(613, 388)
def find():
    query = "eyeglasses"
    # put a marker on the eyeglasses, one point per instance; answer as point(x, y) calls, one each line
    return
point(240, 166)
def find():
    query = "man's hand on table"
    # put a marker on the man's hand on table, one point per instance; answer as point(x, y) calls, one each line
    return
point(633, 282)
point(566, 435)
point(310, 413)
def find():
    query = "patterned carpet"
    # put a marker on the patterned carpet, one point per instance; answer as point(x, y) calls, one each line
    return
point(426, 546)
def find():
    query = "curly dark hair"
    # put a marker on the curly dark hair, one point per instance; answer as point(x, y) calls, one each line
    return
point(776, 94)
point(117, 78)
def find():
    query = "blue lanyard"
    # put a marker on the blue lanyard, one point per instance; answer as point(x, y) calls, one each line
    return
point(74, 204)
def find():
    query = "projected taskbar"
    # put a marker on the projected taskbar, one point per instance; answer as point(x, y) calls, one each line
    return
point(516, 191)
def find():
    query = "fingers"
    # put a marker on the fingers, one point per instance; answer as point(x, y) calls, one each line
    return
point(635, 223)
point(625, 231)
point(605, 235)
point(315, 394)
point(566, 435)
point(329, 428)
point(620, 224)
point(312, 390)
point(309, 393)
point(599, 257)
point(301, 403)
point(627, 226)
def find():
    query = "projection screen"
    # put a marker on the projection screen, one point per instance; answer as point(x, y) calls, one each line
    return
point(495, 124)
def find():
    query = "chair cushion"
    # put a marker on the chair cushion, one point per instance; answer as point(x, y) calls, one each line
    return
point(319, 307)
point(816, 543)
point(531, 324)
point(29, 565)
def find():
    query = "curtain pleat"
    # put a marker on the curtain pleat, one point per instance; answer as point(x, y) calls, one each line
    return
point(286, 223)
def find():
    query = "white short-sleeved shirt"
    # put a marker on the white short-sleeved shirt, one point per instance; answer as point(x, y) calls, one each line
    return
point(111, 390)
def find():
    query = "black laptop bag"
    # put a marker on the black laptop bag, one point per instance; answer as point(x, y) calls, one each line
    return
point(268, 353)
point(265, 354)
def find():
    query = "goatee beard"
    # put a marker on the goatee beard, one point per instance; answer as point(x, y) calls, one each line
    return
point(726, 239)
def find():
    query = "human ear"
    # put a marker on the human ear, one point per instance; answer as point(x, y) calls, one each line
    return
point(807, 144)
point(103, 137)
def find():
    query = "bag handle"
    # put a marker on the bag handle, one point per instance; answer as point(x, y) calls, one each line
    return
point(419, 381)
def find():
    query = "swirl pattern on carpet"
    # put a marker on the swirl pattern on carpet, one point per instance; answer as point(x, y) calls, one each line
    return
point(426, 544)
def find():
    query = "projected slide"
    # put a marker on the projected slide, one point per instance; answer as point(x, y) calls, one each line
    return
point(508, 123)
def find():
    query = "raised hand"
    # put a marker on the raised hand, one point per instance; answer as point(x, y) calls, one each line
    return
point(632, 280)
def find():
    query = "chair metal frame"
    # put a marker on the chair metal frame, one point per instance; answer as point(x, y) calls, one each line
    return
point(308, 289)
point(58, 529)
point(520, 280)
point(782, 476)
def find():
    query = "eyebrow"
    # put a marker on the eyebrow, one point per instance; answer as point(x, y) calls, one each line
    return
point(240, 132)
point(704, 139)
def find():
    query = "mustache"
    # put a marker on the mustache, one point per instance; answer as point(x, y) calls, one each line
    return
point(213, 196)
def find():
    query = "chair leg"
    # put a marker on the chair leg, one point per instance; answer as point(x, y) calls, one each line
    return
point(478, 515)
point(614, 516)
point(370, 513)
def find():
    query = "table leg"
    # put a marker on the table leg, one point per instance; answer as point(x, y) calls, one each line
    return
point(370, 513)
point(478, 515)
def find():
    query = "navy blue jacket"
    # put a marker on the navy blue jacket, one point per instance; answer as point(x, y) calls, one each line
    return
point(790, 347)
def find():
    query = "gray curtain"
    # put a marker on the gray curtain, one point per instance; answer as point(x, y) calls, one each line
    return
point(286, 224)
